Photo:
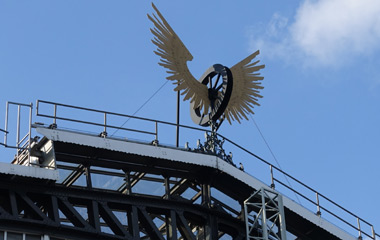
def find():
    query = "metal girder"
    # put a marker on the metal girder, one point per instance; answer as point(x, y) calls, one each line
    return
point(74, 176)
point(185, 209)
point(126, 188)
point(83, 213)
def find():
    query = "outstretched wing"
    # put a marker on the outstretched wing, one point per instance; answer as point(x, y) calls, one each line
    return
point(174, 56)
point(246, 88)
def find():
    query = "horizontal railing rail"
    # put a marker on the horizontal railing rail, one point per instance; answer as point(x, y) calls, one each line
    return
point(106, 114)
point(274, 180)
point(359, 220)
point(96, 124)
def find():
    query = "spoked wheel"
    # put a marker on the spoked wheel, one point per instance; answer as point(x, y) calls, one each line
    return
point(218, 80)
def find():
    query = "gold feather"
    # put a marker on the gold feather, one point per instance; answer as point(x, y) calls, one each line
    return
point(174, 56)
point(246, 89)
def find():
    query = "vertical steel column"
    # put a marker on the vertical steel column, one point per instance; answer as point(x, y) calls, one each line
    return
point(206, 195)
point(171, 225)
point(242, 213)
point(263, 210)
point(282, 223)
point(128, 182)
point(270, 213)
point(133, 223)
point(93, 215)
point(88, 177)
point(167, 187)
point(211, 228)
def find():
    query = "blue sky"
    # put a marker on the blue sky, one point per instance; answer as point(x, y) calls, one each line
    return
point(320, 111)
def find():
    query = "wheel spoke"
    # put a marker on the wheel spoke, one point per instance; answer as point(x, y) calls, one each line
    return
point(211, 106)
point(217, 80)
point(219, 87)
point(219, 84)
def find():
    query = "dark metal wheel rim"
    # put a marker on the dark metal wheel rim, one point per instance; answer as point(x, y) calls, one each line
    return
point(219, 94)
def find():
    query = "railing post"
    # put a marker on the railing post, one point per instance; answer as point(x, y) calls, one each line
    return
point(360, 231)
point(6, 124)
point(55, 114)
point(155, 141)
point(18, 130)
point(30, 131)
point(37, 106)
point(373, 232)
point(271, 176)
point(105, 122)
point(104, 133)
point(318, 207)
point(156, 131)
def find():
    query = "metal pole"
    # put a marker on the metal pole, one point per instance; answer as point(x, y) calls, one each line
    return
point(30, 131)
point(282, 217)
point(246, 219)
point(55, 114)
point(271, 175)
point(373, 232)
point(18, 130)
point(167, 187)
point(264, 215)
point(37, 106)
point(157, 132)
point(178, 109)
point(128, 182)
point(105, 123)
point(360, 231)
point(318, 207)
point(6, 123)
point(88, 177)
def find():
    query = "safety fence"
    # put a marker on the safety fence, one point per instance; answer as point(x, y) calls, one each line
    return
point(103, 123)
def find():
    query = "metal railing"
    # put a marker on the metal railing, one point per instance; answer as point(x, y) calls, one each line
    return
point(5, 132)
point(358, 226)
point(23, 145)
point(106, 115)
point(318, 195)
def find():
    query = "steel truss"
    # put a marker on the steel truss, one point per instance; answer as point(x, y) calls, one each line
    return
point(88, 214)
point(72, 210)
point(269, 221)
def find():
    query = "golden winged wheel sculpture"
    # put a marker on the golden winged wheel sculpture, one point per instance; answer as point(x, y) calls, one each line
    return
point(221, 93)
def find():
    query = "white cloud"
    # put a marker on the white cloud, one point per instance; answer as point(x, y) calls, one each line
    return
point(276, 25)
point(274, 41)
point(324, 31)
